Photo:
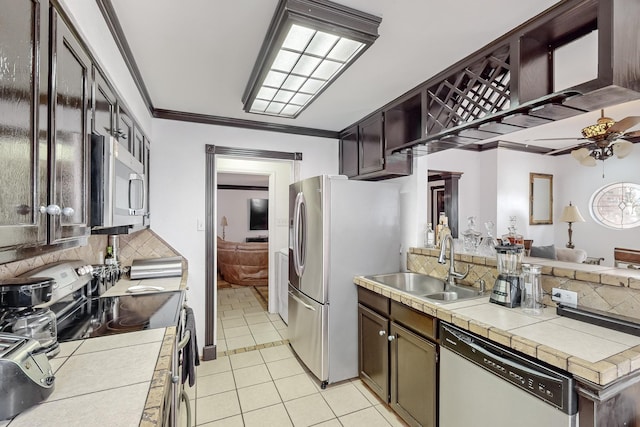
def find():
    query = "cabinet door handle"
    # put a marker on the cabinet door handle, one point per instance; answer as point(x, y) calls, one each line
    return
point(391, 338)
point(51, 209)
point(67, 211)
point(382, 333)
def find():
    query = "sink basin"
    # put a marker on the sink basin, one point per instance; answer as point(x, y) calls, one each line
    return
point(430, 288)
point(443, 296)
point(454, 293)
point(411, 283)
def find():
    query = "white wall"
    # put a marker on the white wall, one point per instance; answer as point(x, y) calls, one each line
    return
point(234, 204)
point(513, 169)
point(495, 185)
point(413, 207)
point(476, 187)
point(576, 184)
point(178, 162)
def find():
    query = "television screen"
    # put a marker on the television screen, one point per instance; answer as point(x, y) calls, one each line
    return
point(258, 214)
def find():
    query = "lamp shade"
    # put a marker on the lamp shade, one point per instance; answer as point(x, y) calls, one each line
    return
point(571, 214)
point(224, 222)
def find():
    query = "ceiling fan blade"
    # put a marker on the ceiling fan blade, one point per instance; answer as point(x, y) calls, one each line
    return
point(557, 139)
point(567, 150)
point(635, 134)
point(624, 124)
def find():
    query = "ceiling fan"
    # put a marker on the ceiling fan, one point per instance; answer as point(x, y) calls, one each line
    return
point(603, 139)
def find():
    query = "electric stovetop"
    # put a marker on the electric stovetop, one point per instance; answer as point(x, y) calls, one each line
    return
point(126, 313)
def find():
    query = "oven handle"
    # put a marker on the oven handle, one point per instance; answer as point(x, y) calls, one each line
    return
point(185, 397)
point(184, 341)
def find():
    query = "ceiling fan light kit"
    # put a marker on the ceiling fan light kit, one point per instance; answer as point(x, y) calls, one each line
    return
point(622, 149)
point(602, 138)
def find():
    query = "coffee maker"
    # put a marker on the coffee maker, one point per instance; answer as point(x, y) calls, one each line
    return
point(506, 290)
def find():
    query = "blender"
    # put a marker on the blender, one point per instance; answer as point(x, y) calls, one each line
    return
point(506, 290)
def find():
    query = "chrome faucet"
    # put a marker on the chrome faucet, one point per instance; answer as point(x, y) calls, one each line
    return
point(452, 275)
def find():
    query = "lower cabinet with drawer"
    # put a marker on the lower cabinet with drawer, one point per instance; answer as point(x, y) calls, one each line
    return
point(398, 356)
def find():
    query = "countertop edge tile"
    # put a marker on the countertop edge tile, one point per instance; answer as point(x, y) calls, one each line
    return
point(524, 345)
point(500, 336)
point(553, 356)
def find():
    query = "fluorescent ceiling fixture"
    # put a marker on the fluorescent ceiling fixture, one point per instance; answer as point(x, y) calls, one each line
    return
point(308, 45)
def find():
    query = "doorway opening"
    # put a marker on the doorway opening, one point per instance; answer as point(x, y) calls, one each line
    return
point(280, 169)
point(242, 280)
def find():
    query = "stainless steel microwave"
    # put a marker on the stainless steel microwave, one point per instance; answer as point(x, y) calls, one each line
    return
point(117, 185)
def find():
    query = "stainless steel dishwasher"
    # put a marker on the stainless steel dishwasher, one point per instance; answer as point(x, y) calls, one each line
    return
point(485, 385)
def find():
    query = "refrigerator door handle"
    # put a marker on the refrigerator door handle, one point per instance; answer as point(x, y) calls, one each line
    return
point(304, 304)
point(299, 234)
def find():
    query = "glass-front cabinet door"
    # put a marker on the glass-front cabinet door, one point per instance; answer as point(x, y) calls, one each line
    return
point(104, 106)
point(70, 101)
point(23, 137)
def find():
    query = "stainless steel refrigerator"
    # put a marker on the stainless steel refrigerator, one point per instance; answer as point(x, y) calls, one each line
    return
point(338, 229)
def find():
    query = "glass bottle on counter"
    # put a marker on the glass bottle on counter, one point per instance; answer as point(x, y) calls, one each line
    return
point(471, 237)
point(429, 237)
point(532, 294)
point(109, 258)
point(513, 237)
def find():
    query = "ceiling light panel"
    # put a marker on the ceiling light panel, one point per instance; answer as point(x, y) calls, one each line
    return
point(309, 44)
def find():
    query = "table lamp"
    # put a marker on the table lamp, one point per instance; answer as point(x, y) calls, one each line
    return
point(224, 224)
point(571, 214)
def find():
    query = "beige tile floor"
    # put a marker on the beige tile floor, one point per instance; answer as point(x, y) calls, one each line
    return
point(258, 381)
point(243, 323)
point(271, 387)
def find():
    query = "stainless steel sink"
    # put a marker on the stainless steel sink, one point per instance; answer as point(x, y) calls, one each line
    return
point(430, 288)
point(411, 283)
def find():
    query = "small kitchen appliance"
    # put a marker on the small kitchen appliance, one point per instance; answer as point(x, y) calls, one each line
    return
point(506, 289)
point(26, 377)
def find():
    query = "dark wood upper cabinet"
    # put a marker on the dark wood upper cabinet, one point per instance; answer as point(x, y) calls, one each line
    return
point(509, 84)
point(349, 152)
point(104, 106)
point(403, 122)
point(69, 111)
point(23, 131)
point(124, 129)
point(138, 143)
point(365, 155)
point(371, 142)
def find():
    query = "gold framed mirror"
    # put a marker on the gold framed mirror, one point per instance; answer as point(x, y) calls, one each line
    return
point(540, 198)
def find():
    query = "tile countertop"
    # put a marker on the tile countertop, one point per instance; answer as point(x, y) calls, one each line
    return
point(114, 380)
point(590, 352)
point(99, 381)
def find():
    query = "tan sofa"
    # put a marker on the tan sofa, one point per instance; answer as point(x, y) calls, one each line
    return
point(243, 263)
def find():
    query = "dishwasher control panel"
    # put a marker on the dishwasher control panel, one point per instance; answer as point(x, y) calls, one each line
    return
point(553, 386)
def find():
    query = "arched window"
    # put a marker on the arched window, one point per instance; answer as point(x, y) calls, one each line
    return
point(617, 205)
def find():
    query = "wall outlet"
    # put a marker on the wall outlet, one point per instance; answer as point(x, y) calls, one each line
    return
point(564, 297)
